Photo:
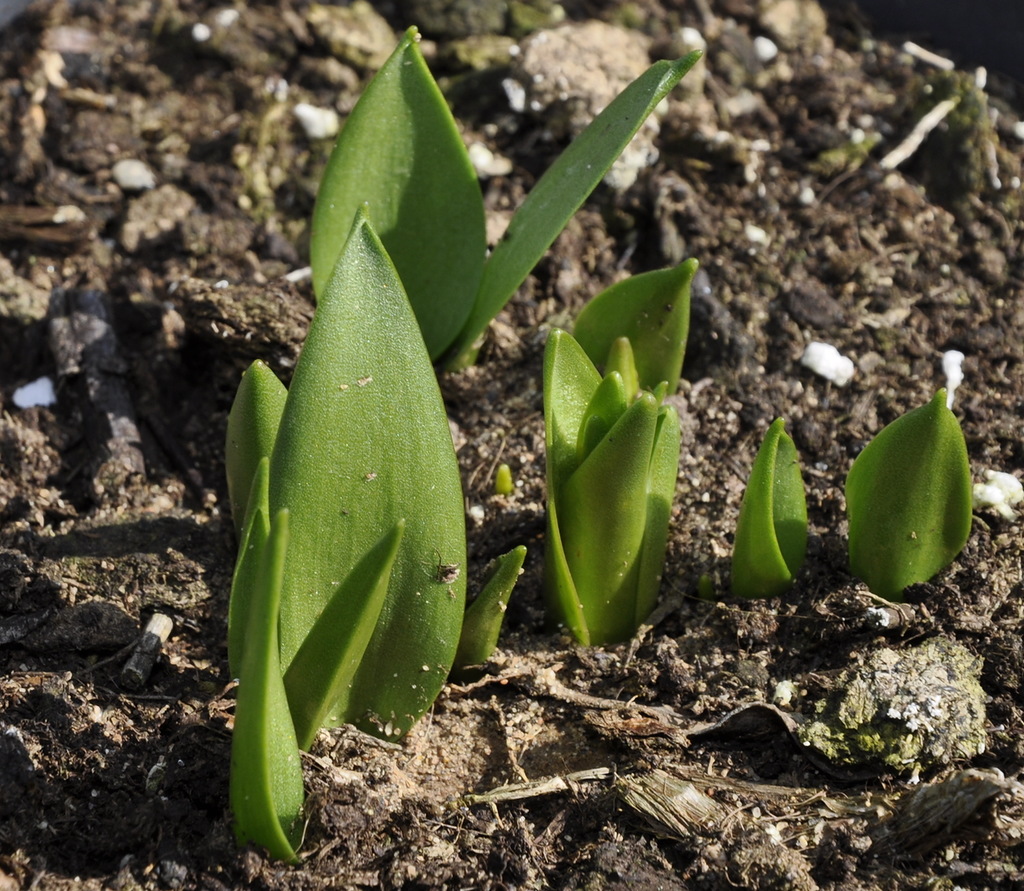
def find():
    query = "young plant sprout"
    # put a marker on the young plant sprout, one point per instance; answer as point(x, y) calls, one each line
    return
point(652, 310)
point(484, 615)
point(347, 602)
point(400, 151)
point(612, 460)
point(771, 534)
point(908, 500)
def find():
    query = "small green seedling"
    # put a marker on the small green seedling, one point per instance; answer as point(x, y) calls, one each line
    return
point(503, 482)
point(652, 310)
point(347, 602)
point(612, 462)
point(401, 152)
point(485, 615)
point(771, 533)
point(908, 500)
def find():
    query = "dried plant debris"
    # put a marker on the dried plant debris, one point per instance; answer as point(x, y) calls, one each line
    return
point(965, 805)
point(907, 711)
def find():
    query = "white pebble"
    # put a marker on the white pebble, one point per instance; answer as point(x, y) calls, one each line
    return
point(825, 360)
point(318, 123)
point(132, 175)
point(486, 163)
point(692, 39)
point(39, 392)
point(201, 33)
point(999, 492)
point(765, 49)
point(516, 95)
point(225, 18)
point(785, 693)
point(952, 367)
point(755, 234)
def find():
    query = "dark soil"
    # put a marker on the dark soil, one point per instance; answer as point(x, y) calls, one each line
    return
point(670, 765)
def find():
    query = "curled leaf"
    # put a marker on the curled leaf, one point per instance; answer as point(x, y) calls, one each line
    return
point(771, 533)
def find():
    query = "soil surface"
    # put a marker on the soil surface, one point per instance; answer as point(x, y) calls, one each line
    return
point(676, 760)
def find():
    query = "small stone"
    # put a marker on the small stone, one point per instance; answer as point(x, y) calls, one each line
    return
point(999, 493)
point(827, 362)
point(568, 75)
point(38, 392)
point(357, 35)
point(765, 49)
point(486, 163)
point(318, 123)
point(133, 175)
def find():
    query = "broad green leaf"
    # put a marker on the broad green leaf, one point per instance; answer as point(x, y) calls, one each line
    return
point(603, 516)
point(248, 565)
point(266, 770)
point(562, 190)
point(652, 310)
point(363, 443)
point(908, 500)
point(400, 152)
point(252, 428)
point(570, 380)
point(321, 673)
point(482, 624)
point(771, 533)
point(660, 495)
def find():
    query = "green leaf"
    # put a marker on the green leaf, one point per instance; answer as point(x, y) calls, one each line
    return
point(651, 309)
point(563, 600)
point(908, 500)
point(771, 533)
point(484, 616)
point(562, 190)
point(320, 676)
point(608, 404)
point(620, 358)
point(252, 429)
point(266, 770)
point(603, 518)
point(400, 152)
point(570, 380)
point(661, 491)
point(363, 443)
point(248, 565)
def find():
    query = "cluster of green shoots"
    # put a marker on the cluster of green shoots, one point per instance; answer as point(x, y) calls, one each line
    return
point(348, 602)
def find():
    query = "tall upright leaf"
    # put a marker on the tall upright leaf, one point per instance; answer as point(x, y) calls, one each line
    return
point(252, 429)
point(562, 190)
point(401, 153)
point(363, 443)
point(266, 771)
